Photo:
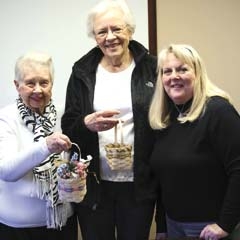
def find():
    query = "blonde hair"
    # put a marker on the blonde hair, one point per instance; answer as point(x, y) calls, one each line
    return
point(105, 6)
point(203, 88)
point(33, 60)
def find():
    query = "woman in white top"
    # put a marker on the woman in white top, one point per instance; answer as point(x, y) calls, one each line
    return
point(30, 208)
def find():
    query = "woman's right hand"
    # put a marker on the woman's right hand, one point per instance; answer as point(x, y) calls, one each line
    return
point(101, 120)
point(213, 232)
point(58, 142)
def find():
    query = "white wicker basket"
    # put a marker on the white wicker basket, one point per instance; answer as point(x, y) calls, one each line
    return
point(119, 155)
point(72, 189)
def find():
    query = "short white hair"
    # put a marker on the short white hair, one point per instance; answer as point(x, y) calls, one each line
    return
point(106, 5)
point(33, 59)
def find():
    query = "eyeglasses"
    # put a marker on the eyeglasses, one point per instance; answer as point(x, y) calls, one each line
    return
point(115, 30)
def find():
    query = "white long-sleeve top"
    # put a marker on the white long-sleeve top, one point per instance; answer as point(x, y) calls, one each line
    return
point(19, 154)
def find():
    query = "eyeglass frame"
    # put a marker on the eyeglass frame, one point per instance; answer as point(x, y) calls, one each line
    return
point(115, 30)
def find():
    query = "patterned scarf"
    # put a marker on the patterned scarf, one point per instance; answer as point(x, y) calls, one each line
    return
point(45, 175)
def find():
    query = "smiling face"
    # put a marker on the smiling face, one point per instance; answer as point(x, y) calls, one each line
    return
point(178, 79)
point(112, 34)
point(35, 87)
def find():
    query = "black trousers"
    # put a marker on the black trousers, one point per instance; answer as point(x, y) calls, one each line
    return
point(118, 215)
point(68, 232)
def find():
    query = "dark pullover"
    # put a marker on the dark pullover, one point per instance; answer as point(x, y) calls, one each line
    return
point(198, 166)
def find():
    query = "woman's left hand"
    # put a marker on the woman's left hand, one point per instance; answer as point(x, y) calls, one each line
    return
point(213, 232)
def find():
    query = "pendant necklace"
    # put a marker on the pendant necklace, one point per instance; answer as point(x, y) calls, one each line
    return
point(181, 112)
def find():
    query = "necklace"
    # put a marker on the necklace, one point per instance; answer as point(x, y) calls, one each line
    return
point(181, 111)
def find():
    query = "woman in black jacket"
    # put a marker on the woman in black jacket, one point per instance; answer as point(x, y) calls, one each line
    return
point(113, 81)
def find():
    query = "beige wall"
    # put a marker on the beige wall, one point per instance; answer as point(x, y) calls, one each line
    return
point(210, 26)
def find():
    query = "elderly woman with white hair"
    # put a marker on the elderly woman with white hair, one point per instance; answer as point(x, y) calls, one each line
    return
point(113, 82)
point(30, 208)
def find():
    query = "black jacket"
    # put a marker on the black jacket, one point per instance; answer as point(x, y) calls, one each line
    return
point(79, 103)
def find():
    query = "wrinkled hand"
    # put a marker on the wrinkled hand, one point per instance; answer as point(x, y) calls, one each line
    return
point(213, 232)
point(58, 142)
point(101, 120)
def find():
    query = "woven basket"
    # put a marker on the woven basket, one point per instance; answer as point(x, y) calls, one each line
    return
point(119, 155)
point(72, 189)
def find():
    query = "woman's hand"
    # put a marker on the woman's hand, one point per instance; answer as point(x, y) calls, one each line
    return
point(101, 120)
point(213, 232)
point(58, 142)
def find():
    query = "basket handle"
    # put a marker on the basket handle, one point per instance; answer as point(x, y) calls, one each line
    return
point(76, 155)
point(121, 131)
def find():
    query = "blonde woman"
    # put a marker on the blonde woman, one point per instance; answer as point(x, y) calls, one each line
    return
point(196, 158)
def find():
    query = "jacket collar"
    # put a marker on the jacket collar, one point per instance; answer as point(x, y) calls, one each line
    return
point(90, 61)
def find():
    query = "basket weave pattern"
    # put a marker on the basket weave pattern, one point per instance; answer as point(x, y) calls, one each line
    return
point(72, 189)
point(119, 155)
